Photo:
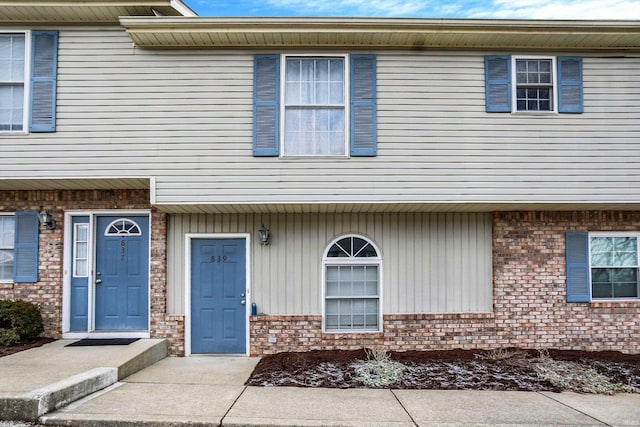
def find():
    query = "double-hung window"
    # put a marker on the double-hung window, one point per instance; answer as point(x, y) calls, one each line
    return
point(352, 286)
point(314, 105)
point(7, 237)
point(602, 266)
point(12, 82)
point(533, 84)
point(28, 66)
point(614, 266)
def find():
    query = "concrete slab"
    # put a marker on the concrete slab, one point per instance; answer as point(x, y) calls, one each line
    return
point(217, 370)
point(292, 406)
point(484, 408)
point(53, 362)
point(42, 379)
point(150, 404)
point(616, 410)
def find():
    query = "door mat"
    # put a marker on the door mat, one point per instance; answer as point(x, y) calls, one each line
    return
point(89, 342)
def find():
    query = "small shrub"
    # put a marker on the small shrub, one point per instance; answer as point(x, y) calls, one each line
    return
point(576, 377)
point(19, 319)
point(379, 370)
point(9, 337)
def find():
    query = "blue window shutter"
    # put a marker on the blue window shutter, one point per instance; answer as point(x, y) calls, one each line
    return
point(266, 105)
point(577, 253)
point(497, 81)
point(44, 64)
point(363, 105)
point(570, 98)
point(25, 267)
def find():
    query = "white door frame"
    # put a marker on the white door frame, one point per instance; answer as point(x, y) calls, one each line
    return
point(187, 281)
point(68, 271)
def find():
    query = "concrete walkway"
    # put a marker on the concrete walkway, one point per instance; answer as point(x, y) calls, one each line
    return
point(210, 391)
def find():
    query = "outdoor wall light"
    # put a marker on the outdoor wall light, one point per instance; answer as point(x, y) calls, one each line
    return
point(265, 235)
point(47, 220)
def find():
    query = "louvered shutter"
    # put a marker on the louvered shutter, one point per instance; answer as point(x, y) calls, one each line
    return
point(363, 105)
point(577, 254)
point(570, 85)
point(497, 74)
point(43, 81)
point(266, 105)
point(25, 268)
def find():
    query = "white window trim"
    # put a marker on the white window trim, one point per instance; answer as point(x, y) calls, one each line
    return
point(611, 234)
point(13, 247)
point(26, 106)
point(514, 84)
point(346, 97)
point(331, 261)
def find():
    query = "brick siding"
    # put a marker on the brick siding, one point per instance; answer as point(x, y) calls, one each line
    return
point(530, 308)
point(47, 292)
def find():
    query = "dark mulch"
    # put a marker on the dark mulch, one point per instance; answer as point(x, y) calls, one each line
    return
point(441, 370)
point(25, 345)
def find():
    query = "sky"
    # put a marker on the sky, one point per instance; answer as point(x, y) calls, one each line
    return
point(493, 9)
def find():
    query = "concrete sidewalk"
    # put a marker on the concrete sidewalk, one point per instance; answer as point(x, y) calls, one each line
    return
point(210, 391)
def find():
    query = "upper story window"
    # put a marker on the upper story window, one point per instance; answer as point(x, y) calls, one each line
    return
point(28, 66)
point(321, 105)
point(532, 84)
point(314, 107)
point(12, 82)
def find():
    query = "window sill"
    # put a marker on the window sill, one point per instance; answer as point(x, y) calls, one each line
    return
point(534, 113)
point(349, 332)
point(627, 302)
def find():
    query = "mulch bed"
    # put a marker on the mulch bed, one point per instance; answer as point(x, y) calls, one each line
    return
point(25, 345)
point(441, 370)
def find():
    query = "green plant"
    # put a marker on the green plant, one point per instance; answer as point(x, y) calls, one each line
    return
point(379, 370)
point(19, 319)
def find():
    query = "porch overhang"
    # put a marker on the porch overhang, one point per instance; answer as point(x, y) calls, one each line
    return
point(126, 183)
point(86, 11)
point(381, 33)
point(373, 208)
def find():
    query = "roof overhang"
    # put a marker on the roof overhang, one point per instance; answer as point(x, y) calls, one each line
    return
point(86, 11)
point(370, 208)
point(368, 33)
point(127, 183)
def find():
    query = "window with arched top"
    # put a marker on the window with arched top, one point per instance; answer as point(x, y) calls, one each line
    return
point(352, 289)
point(123, 227)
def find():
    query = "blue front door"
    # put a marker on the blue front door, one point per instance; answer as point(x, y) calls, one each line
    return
point(218, 287)
point(122, 273)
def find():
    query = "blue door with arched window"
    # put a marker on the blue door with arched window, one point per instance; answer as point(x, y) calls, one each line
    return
point(122, 273)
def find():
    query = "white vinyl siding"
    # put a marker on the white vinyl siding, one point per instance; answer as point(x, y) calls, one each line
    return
point(185, 117)
point(433, 263)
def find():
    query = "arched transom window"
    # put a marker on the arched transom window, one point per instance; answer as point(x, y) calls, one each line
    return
point(352, 286)
point(123, 227)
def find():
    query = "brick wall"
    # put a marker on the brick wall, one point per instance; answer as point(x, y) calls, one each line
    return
point(530, 308)
point(47, 292)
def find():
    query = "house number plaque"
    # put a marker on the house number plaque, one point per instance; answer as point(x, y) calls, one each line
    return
point(219, 258)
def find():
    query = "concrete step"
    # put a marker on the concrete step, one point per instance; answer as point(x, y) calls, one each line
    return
point(96, 369)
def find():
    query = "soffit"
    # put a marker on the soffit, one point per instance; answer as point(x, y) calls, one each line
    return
point(370, 208)
point(365, 33)
point(85, 11)
point(10, 184)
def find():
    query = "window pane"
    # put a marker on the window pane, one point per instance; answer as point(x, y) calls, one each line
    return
point(7, 227)
point(11, 107)
point(614, 282)
point(12, 48)
point(6, 264)
point(614, 252)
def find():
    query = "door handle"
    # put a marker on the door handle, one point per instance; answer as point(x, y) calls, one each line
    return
point(98, 281)
point(243, 302)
